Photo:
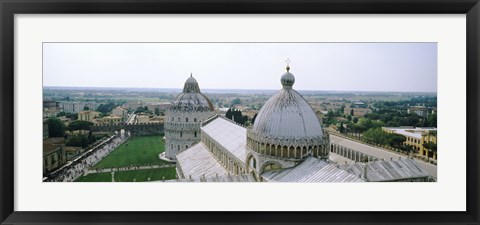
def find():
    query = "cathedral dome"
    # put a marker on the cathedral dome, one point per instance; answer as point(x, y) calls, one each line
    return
point(287, 119)
point(191, 99)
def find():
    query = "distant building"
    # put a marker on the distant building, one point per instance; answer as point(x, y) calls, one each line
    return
point(88, 115)
point(416, 137)
point(50, 112)
point(161, 106)
point(45, 128)
point(357, 112)
point(76, 107)
point(49, 104)
point(419, 110)
point(53, 154)
point(111, 120)
point(143, 119)
point(71, 151)
point(121, 112)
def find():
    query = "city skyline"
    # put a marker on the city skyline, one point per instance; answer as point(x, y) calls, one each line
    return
point(371, 67)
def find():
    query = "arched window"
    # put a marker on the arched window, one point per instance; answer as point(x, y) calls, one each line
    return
point(179, 119)
point(173, 119)
point(181, 134)
point(195, 134)
point(194, 119)
point(178, 147)
point(186, 119)
point(171, 147)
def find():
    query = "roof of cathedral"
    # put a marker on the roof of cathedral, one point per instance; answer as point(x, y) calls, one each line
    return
point(287, 115)
point(388, 170)
point(191, 99)
point(311, 170)
point(227, 133)
point(197, 161)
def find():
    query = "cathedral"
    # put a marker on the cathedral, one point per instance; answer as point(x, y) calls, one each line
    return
point(285, 144)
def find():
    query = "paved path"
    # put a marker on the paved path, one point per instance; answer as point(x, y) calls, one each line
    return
point(378, 152)
point(129, 168)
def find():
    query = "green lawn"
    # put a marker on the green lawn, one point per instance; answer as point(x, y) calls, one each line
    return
point(128, 176)
point(142, 150)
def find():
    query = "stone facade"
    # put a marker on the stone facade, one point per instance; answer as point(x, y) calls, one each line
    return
point(184, 118)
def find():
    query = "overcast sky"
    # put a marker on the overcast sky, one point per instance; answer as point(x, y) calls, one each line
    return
point(401, 67)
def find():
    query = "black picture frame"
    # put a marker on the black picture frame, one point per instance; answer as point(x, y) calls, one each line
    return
point(9, 8)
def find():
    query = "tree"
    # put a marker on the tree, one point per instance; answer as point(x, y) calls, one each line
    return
point(157, 111)
point(432, 120)
point(77, 140)
point(376, 135)
point(236, 101)
point(254, 117)
point(56, 128)
point(86, 108)
point(349, 117)
point(396, 140)
point(351, 112)
point(431, 147)
point(355, 120)
point(236, 116)
point(341, 129)
point(79, 125)
point(106, 108)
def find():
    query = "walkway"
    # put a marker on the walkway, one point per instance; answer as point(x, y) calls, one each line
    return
point(128, 168)
point(378, 152)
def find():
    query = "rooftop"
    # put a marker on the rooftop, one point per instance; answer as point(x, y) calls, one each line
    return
point(197, 162)
point(311, 170)
point(228, 134)
point(388, 170)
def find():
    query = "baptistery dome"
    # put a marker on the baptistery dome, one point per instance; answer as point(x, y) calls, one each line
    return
point(191, 99)
point(184, 118)
point(286, 126)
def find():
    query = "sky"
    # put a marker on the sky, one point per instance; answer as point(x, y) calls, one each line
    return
point(395, 67)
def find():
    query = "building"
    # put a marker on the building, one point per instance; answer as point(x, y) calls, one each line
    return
point(49, 104)
point(417, 137)
point(357, 112)
point(160, 106)
point(285, 144)
point(53, 154)
point(419, 110)
point(111, 120)
point(88, 115)
point(121, 112)
point(143, 119)
point(76, 107)
point(184, 116)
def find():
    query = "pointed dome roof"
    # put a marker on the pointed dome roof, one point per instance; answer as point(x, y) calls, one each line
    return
point(191, 99)
point(288, 116)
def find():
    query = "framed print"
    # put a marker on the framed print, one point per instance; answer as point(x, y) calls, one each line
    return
point(247, 112)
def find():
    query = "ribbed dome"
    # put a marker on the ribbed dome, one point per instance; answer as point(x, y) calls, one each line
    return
point(287, 115)
point(191, 99)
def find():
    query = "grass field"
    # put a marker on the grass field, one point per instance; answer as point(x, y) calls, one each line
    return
point(128, 176)
point(136, 151)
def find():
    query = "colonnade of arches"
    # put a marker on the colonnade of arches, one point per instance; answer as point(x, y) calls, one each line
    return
point(350, 153)
point(284, 151)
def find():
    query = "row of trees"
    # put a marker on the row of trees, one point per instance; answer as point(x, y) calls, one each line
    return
point(237, 116)
point(56, 128)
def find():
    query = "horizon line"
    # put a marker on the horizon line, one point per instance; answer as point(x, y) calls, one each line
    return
point(119, 88)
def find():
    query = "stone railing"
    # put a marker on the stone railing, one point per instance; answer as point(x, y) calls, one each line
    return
point(386, 148)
